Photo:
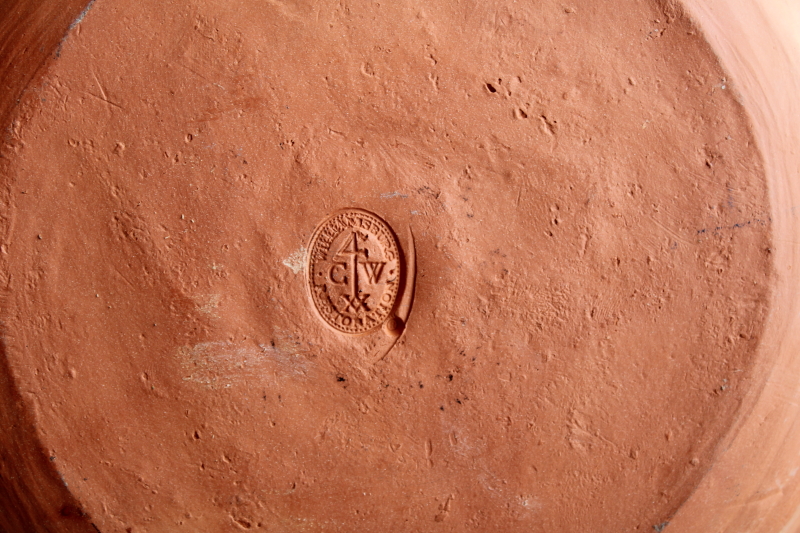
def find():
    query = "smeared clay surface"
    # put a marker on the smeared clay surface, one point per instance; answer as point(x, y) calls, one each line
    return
point(592, 247)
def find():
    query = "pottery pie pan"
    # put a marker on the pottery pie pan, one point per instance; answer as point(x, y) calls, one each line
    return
point(349, 266)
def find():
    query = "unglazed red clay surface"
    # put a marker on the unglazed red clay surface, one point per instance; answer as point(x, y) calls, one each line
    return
point(591, 232)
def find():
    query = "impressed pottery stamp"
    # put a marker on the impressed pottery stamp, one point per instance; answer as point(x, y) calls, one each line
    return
point(354, 271)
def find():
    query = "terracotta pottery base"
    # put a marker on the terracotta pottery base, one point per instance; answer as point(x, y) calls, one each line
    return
point(580, 198)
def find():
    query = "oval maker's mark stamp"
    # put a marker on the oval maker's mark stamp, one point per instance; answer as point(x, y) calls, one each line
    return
point(354, 271)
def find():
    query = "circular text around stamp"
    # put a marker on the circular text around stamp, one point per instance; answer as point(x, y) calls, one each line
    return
point(353, 271)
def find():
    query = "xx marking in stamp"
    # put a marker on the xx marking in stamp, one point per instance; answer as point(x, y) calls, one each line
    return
point(354, 271)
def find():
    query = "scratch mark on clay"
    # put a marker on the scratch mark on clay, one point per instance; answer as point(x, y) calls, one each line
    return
point(193, 71)
point(109, 102)
point(103, 96)
point(672, 232)
point(126, 280)
point(297, 261)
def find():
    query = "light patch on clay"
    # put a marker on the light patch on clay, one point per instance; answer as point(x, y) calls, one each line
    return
point(222, 364)
point(208, 304)
point(529, 502)
point(395, 194)
point(297, 261)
